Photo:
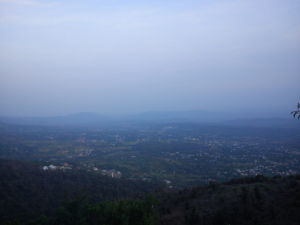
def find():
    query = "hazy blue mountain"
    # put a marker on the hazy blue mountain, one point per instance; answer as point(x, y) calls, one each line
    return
point(88, 118)
point(85, 118)
point(184, 116)
point(95, 119)
point(265, 122)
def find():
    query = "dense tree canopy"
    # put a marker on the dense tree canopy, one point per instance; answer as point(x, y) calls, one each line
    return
point(32, 197)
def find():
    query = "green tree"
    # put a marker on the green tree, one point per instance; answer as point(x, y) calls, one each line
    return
point(296, 113)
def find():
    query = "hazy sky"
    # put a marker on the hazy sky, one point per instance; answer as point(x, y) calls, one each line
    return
point(117, 56)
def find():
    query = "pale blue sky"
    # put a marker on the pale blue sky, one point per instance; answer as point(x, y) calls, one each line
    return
point(60, 57)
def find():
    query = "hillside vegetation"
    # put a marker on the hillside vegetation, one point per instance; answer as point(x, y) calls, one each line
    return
point(32, 196)
point(249, 201)
point(26, 191)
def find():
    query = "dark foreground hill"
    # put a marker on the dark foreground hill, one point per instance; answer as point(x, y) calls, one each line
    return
point(248, 201)
point(27, 193)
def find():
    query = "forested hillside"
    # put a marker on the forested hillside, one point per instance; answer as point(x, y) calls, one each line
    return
point(26, 191)
point(247, 201)
point(29, 195)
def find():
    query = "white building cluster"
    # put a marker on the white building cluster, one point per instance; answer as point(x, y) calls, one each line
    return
point(53, 167)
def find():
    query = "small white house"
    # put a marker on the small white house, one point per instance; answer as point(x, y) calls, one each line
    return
point(45, 168)
point(52, 167)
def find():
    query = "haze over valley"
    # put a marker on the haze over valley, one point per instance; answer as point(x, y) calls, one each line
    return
point(149, 112)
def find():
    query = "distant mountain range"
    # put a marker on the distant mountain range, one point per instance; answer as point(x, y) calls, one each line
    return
point(265, 122)
point(95, 119)
point(85, 118)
